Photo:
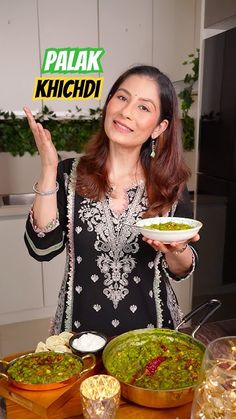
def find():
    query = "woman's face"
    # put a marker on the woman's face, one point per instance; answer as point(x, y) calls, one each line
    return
point(133, 113)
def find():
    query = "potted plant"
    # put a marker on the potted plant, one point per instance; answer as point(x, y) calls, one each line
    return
point(69, 133)
point(19, 160)
point(186, 100)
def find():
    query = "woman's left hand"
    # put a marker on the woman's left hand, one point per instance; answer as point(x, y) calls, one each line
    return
point(171, 247)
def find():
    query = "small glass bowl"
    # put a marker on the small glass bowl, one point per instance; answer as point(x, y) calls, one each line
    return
point(89, 350)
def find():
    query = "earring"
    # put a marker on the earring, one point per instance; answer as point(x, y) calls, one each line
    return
point(153, 149)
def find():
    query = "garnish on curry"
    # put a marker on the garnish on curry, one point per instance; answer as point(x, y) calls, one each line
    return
point(44, 368)
point(157, 363)
point(168, 226)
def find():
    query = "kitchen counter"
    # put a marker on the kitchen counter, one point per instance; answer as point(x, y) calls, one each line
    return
point(22, 275)
point(127, 410)
point(15, 204)
point(71, 408)
point(14, 210)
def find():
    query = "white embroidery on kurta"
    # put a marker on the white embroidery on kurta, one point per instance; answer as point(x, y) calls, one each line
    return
point(97, 307)
point(116, 242)
point(157, 291)
point(172, 304)
point(41, 234)
point(136, 279)
point(150, 326)
point(112, 235)
point(150, 265)
point(133, 308)
point(79, 259)
point(150, 293)
point(95, 278)
point(116, 281)
point(78, 288)
point(66, 180)
point(115, 322)
point(70, 184)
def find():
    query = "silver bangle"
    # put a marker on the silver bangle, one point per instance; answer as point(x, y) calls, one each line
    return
point(178, 252)
point(52, 192)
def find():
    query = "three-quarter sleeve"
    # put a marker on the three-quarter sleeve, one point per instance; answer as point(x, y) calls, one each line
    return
point(44, 244)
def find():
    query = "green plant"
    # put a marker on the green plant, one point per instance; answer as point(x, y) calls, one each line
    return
point(69, 134)
point(186, 97)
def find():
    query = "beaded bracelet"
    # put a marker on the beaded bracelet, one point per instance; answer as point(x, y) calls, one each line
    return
point(178, 252)
point(52, 192)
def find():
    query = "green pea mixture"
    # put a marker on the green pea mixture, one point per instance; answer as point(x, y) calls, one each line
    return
point(168, 226)
point(44, 368)
point(156, 363)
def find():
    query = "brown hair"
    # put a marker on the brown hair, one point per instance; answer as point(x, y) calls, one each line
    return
point(165, 175)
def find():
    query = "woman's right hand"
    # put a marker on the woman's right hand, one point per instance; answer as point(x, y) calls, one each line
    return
point(43, 140)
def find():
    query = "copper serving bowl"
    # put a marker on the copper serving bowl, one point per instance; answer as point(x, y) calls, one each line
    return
point(134, 342)
point(89, 359)
point(128, 342)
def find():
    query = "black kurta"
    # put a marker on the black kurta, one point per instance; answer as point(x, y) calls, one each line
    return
point(113, 281)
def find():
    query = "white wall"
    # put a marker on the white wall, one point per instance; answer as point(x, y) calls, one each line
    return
point(19, 53)
point(173, 35)
point(159, 32)
point(68, 24)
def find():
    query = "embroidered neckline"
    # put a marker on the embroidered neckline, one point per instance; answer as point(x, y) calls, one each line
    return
point(132, 185)
point(126, 190)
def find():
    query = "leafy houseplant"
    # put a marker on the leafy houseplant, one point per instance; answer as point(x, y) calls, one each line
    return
point(72, 132)
point(69, 134)
point(186, 97)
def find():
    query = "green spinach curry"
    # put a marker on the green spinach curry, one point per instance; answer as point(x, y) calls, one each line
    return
point(157, 363)
point(169, 226)
point(44, 368)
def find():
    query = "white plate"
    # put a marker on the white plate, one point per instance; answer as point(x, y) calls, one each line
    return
point(168, 236)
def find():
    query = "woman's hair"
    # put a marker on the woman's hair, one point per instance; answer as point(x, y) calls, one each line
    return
point(165, 174)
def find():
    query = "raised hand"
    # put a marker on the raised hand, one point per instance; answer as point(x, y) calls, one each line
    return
point(178, 255)
point(43, 140)
point(172, 247)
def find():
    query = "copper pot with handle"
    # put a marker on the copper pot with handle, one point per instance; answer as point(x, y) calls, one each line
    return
point(123, 352)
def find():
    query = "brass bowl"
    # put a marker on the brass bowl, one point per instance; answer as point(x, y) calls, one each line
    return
point(158, 398)
point(49, 386)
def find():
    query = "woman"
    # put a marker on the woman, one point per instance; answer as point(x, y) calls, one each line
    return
point(115, 280)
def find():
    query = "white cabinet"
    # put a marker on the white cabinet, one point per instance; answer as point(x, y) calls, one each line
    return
point(125, 32)
point(21, 277)
point(68, 24)
point(18, 173)
point(173, 35)
point(19, 53)
point(28, 288)
point(132, 32)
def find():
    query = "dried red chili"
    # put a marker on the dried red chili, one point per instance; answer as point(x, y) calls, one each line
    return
point(150, 368)
point(153, 364)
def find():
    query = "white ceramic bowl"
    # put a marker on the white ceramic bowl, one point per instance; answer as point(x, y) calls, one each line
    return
point(168, 236)
point(87, 343)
